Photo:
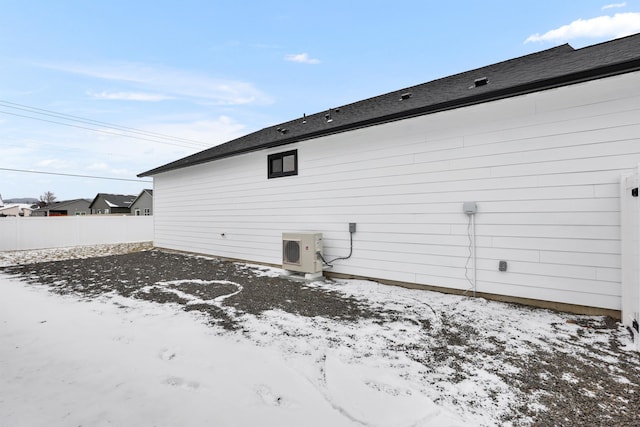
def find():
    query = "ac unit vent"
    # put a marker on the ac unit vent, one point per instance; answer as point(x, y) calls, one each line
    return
point(300, 252)
point(291, 252)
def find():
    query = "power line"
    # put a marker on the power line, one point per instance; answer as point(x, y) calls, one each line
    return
point(95, 130)
point(70, 117)
point(146, 135)
point(74, 175)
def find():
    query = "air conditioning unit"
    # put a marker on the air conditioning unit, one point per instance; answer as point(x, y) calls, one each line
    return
point(300, 252)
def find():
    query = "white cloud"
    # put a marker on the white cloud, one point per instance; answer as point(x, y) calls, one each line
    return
point(302, 58)
point(174, 83)
point(129, 96)
point(614, 5)
point(618, 25)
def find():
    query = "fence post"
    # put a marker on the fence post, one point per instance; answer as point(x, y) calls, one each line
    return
point(630, 253)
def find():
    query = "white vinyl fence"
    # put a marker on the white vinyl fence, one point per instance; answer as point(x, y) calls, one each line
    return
point(630, 232)
point(21, 233)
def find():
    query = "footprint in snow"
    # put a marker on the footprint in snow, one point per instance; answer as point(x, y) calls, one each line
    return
point(123, 339)
point(271, 398)
point(166, 354)
point(182, 383)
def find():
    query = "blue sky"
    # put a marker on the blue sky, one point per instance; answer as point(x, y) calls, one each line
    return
point(205, 72)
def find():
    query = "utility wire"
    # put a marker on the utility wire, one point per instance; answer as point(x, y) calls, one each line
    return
point(95, 130)
point(68, 117)
point(74, 175)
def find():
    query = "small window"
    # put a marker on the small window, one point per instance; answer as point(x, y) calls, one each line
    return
point(137, 212)
point(147, 211)
point(283, 164)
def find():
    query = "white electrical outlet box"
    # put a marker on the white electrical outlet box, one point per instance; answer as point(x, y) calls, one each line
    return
point(470, 208)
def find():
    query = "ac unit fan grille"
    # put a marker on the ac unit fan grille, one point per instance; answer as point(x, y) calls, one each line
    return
point(292, 251)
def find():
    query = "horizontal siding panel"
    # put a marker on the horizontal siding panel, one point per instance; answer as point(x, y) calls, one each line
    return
point(571, 153)
point(556, 126)
point(539, 268)
point(509, 150)
point(596, 259)
point(622, 89)
point(609, 274)
point(549, 231)
point(552, 218)
point(413, 238)
point(495, 254)
point(495, 194)
point(604, 206)
point(568, 166)
point(551, 282)
point(581, 178)
point(541, 206)
point(360, 149)
point(420, 259)
point(562, 245)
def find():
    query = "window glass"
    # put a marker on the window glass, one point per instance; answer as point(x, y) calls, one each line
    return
point(289, 163)
point(276, 165)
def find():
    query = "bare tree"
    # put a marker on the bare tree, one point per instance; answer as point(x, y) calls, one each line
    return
point(47, 198)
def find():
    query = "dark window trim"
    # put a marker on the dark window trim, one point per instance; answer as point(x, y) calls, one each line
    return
point(282, 155)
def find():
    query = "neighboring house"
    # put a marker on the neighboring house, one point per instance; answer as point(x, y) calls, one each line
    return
point(143, 204)
point(107, 204)
point(15, 209)
point(64, 208)
point(539, 143)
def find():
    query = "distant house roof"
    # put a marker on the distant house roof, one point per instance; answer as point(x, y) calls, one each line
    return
point(59, 205)
point(115, 200)
point(556, 67)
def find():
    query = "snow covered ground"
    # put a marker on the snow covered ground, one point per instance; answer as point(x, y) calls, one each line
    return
point(116, 361)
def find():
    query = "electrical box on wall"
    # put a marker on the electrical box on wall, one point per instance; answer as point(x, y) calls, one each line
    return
point(470, 208)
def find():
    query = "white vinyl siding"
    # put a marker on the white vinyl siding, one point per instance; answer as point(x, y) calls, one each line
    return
point(543, 168)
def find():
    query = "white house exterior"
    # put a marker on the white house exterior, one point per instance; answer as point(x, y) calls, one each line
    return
point(16, 209)
point(543, 164)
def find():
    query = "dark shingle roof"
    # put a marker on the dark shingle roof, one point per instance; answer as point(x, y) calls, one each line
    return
point(559, 66)
point(60, 204)
point(115, 200)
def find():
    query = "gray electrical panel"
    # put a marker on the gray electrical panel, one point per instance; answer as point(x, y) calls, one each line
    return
point(470, 208)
